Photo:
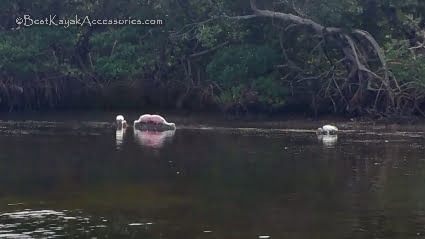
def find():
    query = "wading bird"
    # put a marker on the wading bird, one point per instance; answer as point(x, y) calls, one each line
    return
point(153, 122)
point(121, 123)
point(327, 129)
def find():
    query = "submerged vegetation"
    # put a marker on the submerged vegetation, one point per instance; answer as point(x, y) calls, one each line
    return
point(351, 57)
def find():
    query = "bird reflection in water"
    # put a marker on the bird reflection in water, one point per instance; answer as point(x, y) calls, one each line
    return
point(328, 140)
point(119, 138)
point(153, 139)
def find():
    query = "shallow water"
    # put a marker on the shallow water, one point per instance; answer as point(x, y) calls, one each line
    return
point(81, 179)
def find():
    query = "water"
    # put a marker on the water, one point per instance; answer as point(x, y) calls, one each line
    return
point(74, 179)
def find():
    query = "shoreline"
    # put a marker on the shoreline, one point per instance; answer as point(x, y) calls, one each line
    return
point(202, 119)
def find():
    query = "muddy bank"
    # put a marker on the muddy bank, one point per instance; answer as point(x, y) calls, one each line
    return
point(309, 124)
point(105, 119)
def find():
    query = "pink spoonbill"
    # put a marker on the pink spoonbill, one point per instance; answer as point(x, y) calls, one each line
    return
point(154, 122)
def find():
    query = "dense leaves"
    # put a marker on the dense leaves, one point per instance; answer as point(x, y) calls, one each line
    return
point(203, 55)
point(240, 64)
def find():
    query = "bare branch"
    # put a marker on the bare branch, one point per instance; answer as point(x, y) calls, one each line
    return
point(378, 51)
point(286, 17)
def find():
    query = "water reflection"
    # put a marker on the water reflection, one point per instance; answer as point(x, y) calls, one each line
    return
point(153, 139)
point(119, 137)
point(48, 223)
point(231, 183)
point(328, 140)
point(38, 223)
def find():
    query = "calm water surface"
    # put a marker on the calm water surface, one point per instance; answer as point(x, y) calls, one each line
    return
point(84, 180)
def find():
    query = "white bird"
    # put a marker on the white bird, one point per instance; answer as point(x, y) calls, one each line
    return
point(121, 123)
point(327, 129)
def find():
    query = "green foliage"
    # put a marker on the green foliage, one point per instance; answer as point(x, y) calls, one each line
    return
point(236, 65)
point(234, 95)
point(207, 35)
point(335, 13)
point(271, 91)
point(247, 67)
point(114, 56)
point(120, 55)
point(30, 52)
point(406, 65)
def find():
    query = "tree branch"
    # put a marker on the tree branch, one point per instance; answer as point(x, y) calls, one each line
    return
point(286, 17)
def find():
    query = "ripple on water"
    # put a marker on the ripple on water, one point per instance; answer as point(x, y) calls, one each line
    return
point(140, 224)
point(48, 223)
point(15, 235)
point(28, 214)
point(135, 224)
point(17, 128)
point(37, 223)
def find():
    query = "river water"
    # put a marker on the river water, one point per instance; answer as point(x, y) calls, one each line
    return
point(82, 179)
